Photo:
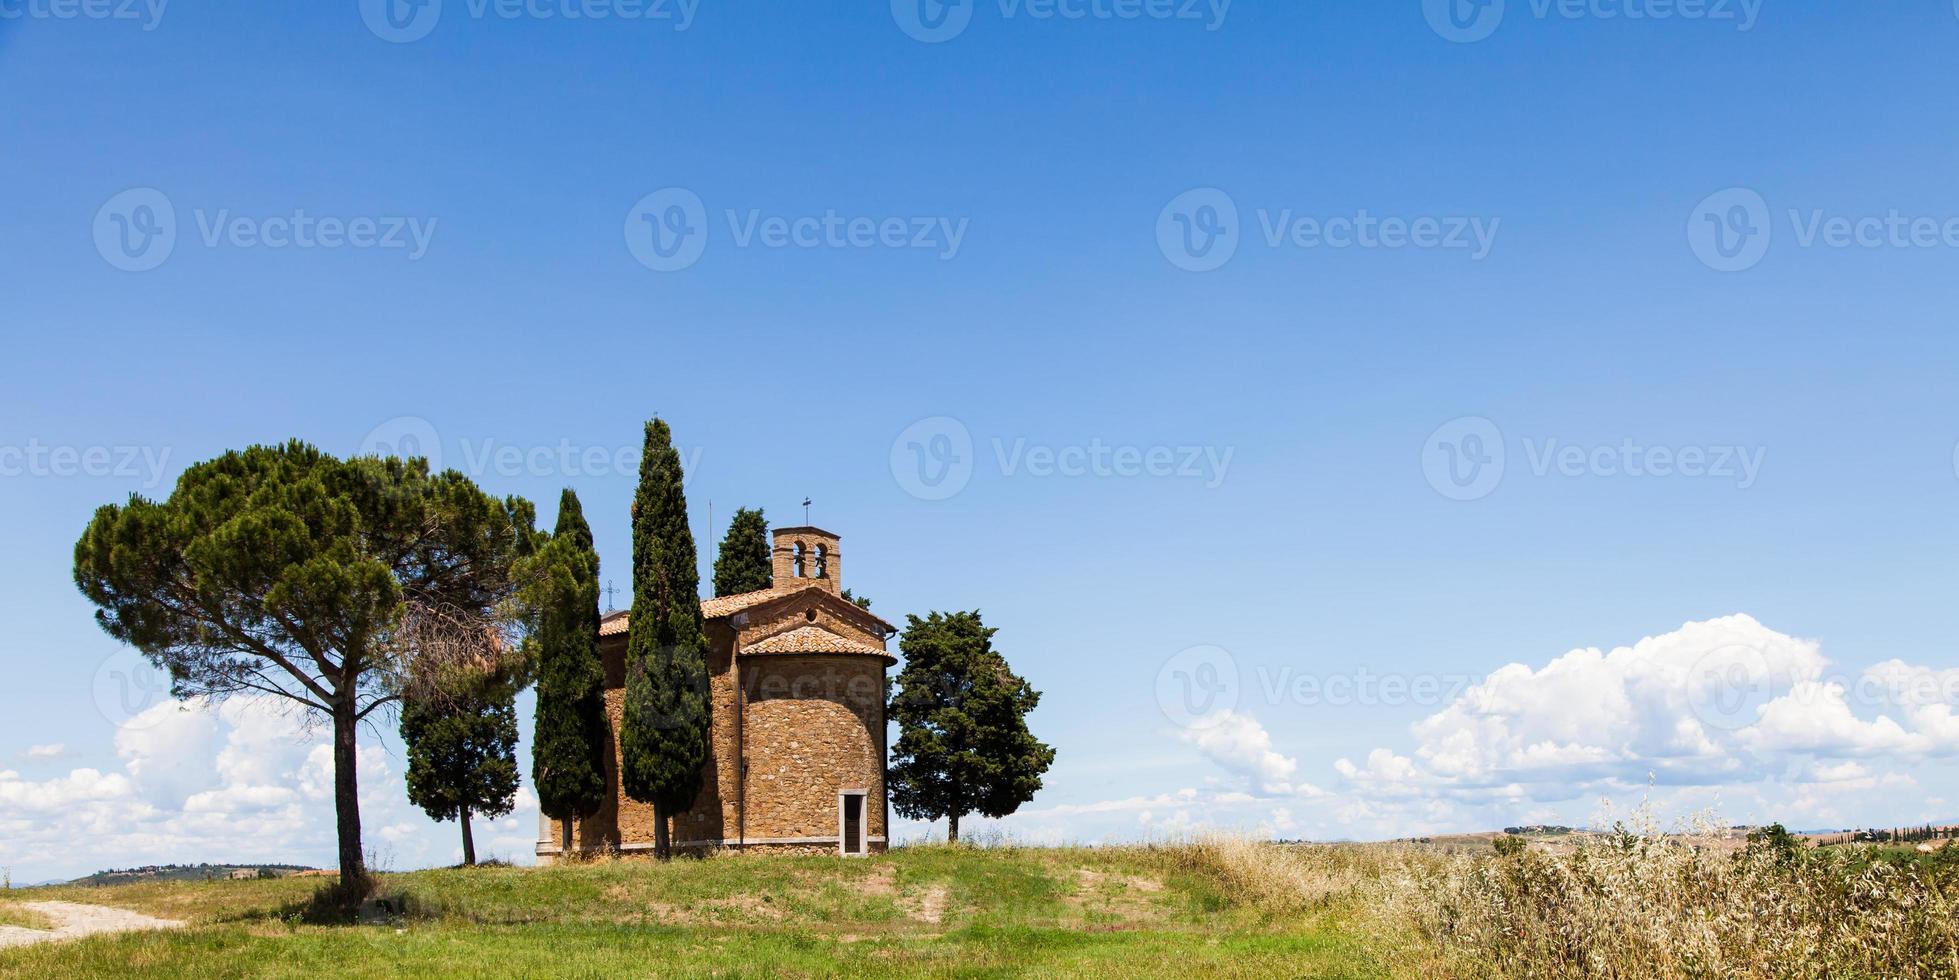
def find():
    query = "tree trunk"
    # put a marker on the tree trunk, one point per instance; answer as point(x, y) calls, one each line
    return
point(662, 844)
point(469, 841)
point(346, 801)
point(952, 828)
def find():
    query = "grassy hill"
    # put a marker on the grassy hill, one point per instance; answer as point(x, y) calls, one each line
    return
point(187, 872)
point(919, 911)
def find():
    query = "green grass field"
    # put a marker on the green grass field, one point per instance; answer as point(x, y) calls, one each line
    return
point(924, 911)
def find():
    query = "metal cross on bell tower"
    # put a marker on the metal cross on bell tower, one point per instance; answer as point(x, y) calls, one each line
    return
point(806, 522)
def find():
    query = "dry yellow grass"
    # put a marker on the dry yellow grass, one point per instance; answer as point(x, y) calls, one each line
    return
point(12, 914)
point(1628, 904)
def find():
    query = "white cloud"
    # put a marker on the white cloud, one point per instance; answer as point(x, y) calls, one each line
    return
point(77, 789)
point(1242, 746)
point(1386, 774)
point(1815, 717)
point(51, 751)
point(167, 750)
point(1722, 702)
point(1725, 717)
point(243, 780)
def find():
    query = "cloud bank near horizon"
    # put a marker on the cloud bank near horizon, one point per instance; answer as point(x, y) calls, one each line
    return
point(1714, 713)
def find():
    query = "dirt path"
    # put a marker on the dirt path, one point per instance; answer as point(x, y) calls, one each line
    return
point(73, 920)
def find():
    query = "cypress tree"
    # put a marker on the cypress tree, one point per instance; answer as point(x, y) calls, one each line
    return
point(462, 754)
point(569, 739)
point(743, 563)
point(963, 744)
point(664, 738)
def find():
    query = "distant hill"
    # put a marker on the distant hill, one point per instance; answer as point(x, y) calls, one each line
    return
point(189, 872)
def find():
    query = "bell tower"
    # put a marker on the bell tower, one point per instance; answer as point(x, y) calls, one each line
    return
point(806, 556)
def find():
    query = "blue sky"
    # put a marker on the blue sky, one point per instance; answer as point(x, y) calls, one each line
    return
point(1042, 166)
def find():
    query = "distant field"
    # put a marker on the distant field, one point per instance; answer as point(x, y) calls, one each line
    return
point(932, 911)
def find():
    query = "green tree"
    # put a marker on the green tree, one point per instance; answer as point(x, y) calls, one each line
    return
point(963, 744)
point(862, 602)
point(1777, 842)
point(462, 752)
point(286, 572)
point(569, 736)
point(743, 563)
point(664, 736)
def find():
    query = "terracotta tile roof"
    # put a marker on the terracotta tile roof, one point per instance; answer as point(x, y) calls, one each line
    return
point(728, 605)
point(812, 639)
point(617, 623)
point(613, 624)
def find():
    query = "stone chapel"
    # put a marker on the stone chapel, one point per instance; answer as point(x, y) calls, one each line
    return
point(797, 744)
